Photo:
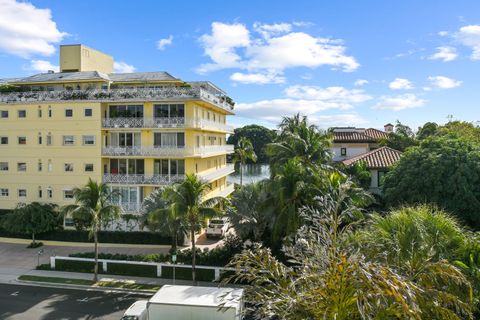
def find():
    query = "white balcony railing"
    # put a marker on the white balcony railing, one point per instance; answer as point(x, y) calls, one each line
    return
point(178, 122)
point(115, 95)
point(166, 151)
point(153, 179)
point(129, 207)
point(215, 174)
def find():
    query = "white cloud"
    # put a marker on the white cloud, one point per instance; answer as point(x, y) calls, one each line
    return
point(444, 82)
point(43, 66)
point(335, 120)
point(339, 95)
point(360, 82)
point(257, 78)
point(122, 67)
point(163, 43)
point(278, 48)
point(443, 33)
point(397, 103)
point(26, 30)
point(470, 36)
point(400, 84)
point(445, 53)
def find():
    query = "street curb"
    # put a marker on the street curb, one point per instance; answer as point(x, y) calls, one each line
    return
point(81, 287)
point(55, 243)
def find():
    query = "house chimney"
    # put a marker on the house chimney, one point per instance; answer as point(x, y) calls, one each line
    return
point(50, 71)
point(388, 128)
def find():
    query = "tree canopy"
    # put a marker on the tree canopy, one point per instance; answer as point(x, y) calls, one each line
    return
point(258, 135)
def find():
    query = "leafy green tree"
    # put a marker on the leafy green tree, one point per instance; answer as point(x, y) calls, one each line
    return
point(160, 216)
point(32, 219)
point(360, 174)
point(421, 243)
point(401, 139)
point(442, 171)
point(243, 151)
point(258, 135)
point(461, 129)
point(429, 129)
point(94, 200)
point(186, 200)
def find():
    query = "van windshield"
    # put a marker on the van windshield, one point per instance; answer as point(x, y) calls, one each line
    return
point(217, 222)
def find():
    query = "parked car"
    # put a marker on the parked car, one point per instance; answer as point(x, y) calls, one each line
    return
point(137, 311)
point(217, 228)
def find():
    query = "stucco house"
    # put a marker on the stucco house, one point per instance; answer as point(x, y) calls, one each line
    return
point(351, 145)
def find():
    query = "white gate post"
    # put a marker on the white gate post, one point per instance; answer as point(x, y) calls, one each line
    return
point(52, 262)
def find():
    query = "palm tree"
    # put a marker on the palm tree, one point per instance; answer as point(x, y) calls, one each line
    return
point(187, 199)
point(243, 152)
point(94, 200)
point(159, 215)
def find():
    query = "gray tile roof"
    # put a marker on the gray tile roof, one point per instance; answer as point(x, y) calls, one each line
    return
point(64, 76)
point(142, 76)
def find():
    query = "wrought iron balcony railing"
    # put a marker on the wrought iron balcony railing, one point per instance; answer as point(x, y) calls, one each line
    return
point(165, 151)
point(178, 122)
point(218, 173)
point(150, 179)
point(113, 95)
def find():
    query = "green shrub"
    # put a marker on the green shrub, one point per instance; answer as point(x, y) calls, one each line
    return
point(137, 270)
point(183, 273)
point(76, 266)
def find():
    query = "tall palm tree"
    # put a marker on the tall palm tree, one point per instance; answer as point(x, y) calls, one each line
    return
point(95, 201)
point(187, 199)
point(243, 152)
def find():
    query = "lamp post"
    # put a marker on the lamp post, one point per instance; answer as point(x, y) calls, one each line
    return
point(174, 260)
point(39, 253)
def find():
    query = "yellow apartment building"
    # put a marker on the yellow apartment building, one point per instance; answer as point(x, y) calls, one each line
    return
point(133, 131)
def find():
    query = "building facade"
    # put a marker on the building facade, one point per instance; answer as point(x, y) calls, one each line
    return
point(133, 131)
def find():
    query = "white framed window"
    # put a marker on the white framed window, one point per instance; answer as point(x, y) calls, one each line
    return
point(3, 166)
point(88, 140)
point(88, 167)
point(49, 139)
point(3, 192)
point(3, 140)
point(21, 166)
point(50, 166)
point(68, 167)
point(22, 193)
point(22, 113)
point(22, 140)
point(4, 114)
point(49, 111)
point(49, 193)
point(39, 112)
point(40, 138)
point(68, 140)
point(68, 113)
point(40, 166)
point(343, 152)
point(88, 112)
point(67, 194)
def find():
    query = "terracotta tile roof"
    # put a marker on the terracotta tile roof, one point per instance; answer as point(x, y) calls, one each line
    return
point(379, 158)
point(359, 135)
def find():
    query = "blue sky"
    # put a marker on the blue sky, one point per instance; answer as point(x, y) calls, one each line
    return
point(361, 63)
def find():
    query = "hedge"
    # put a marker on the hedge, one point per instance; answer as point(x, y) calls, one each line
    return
point(126, 269)
point(133, 237)
point(76, 266)
point(182, 273)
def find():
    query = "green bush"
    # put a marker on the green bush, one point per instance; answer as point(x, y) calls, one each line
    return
point(137, 270)
point(119, 256)
point(183, 273)
point(76, 266)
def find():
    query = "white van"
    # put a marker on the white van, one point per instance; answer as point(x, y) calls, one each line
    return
point(137, 311)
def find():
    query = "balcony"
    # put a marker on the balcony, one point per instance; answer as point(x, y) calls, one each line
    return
point(147, 179)
point(112, 123)
point(129, 207)
point(165, 151)
point(218, 173)
point(116, 95)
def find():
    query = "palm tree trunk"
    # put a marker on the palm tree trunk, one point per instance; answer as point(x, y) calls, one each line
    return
point(33, 239)
point(192, 234)
point(241, 173)
point(95, 268)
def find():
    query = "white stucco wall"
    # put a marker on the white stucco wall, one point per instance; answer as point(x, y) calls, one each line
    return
point(352, 151)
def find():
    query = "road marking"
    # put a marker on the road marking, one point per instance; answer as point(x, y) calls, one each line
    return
point(15, 293)
point(83, 300)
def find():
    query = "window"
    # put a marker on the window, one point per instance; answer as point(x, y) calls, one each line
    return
point(50, 166)
point(88, 112)
point(88, 140)
point(3, 192)
point(22, 140)
point(67, 194)
point(22, 193)
point(68, 140)
point(22, 113)
point(88, 167)
point(162, 139)
point(49, 111)
point(4, 114)
point(40, 167)
point(3, 140)
point(343, 152)
point(124, 111)
point(39, 138)
point(169, 110)
point(68, 113)
point(21, 166)
point(68, 167)
point(49, 139)
point(40, 192)
point(49, 193)
point(39, 112)
point(3, 166)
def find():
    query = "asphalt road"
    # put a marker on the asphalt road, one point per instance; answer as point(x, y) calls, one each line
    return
point(18, 302)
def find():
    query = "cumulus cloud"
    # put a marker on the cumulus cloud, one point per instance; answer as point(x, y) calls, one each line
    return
point(445, 54)
point(339, 95)
point(470, 36)
point(360, 82)
point(26, 30)
point(336, 120)
point(163, 43)
point(278, 48)
point(43, 66)
point(122, 67)
point(443, 82)
point(397, 103)
point(257, 78)
point(400, 84)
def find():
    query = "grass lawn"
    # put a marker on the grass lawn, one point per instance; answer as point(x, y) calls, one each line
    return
point(105, 284)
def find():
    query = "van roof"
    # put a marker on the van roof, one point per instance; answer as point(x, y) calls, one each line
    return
point(137, 308)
